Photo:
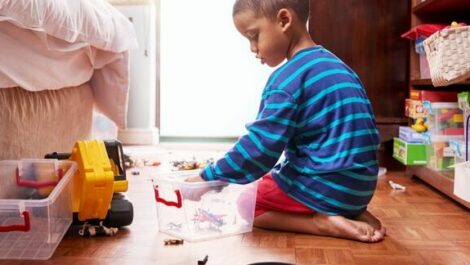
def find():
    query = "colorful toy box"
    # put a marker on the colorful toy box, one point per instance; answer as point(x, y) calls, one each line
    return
point(409, 153)
point(433, 95)
point(202, 210)
point(35, 207)
point(409, 135)
point(414, 109)
point(414, 105)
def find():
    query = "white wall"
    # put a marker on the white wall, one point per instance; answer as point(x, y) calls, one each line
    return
point(211, 83)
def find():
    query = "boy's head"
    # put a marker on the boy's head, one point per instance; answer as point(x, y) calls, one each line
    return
point(270, 8)
point(276, 29)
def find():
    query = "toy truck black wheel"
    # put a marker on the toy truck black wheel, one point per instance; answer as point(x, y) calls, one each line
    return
point(120, 214)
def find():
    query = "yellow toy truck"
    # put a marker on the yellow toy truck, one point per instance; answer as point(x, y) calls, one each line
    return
point(98, 184)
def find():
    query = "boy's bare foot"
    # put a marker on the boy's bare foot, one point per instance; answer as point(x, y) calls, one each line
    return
point(369, 218)
point(322, 225)
point(339, 226)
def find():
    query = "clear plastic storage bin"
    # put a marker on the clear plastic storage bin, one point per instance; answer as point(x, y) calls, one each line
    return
point(441, 153)
point(35, 207)
point(203, 210)
point(444, 118)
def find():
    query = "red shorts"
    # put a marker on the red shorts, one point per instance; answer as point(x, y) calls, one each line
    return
point(271, 198)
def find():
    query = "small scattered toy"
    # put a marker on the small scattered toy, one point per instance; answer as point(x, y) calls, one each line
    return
point(173, 226)
point(168, 242)
point(90, 230)
point(190, 165)
point(132, 162)
point(396, 186)
point(203, 261)
point(153, 163)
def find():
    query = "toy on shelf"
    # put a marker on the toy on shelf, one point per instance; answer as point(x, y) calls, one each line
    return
point(409, 135)
point(419, 125)
point(89, 230)
point(98, 183)
point(456, 24)
point(444, 118)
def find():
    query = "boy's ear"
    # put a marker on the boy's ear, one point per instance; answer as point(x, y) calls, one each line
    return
point(284, 18)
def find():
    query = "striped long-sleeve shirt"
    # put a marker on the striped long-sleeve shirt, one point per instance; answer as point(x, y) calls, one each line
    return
point(315, 110)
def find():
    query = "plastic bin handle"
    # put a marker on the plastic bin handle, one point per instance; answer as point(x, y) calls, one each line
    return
point(38, 184)
point(24, 227)
point(176, 204)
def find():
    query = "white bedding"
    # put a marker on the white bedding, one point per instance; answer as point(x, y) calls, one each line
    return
point(52, 44)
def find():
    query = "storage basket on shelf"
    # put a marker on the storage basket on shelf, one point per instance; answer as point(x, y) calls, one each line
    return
point(448, 54)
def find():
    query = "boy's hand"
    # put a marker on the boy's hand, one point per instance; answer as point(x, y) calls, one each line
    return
point(195, 194)
point(194, 179)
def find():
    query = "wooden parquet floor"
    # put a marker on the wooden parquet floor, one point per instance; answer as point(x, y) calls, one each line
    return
point(423, 227)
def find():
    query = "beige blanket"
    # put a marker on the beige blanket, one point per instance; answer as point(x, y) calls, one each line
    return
point(35, 123)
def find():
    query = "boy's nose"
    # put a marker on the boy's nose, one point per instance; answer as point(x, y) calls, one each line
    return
point(253, 48)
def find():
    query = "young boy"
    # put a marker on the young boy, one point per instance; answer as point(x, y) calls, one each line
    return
point(315, 110)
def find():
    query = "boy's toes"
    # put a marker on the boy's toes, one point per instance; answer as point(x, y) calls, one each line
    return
point(366, 233)
point(377, 236)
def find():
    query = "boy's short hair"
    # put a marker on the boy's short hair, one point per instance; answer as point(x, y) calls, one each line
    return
point(269, 8)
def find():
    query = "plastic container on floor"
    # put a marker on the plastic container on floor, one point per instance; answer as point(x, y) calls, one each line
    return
point(35, 207)
point(202, 210)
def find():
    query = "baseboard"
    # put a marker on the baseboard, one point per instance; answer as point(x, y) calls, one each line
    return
point(139, 136)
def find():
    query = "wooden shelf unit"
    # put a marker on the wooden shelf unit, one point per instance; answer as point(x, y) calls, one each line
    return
point(436, 12)
point(428, 82)
point(439, 6)
point(444, 182)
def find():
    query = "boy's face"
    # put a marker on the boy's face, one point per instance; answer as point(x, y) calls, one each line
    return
point(268, 39)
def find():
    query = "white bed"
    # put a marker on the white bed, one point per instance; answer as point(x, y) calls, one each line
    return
point(60, 59)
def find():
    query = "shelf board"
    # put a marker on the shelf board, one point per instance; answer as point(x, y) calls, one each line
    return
point(391, 120)
point(435, 6)
point(443, 182)
point(421, 82)
point(428, 82)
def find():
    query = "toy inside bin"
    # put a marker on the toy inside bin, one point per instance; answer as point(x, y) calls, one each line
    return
point(35, 207)
point(222, 210)
point(441, 155)
point(444, 118)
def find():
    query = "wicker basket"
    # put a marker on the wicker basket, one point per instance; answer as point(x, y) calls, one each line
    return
point(448, 54)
